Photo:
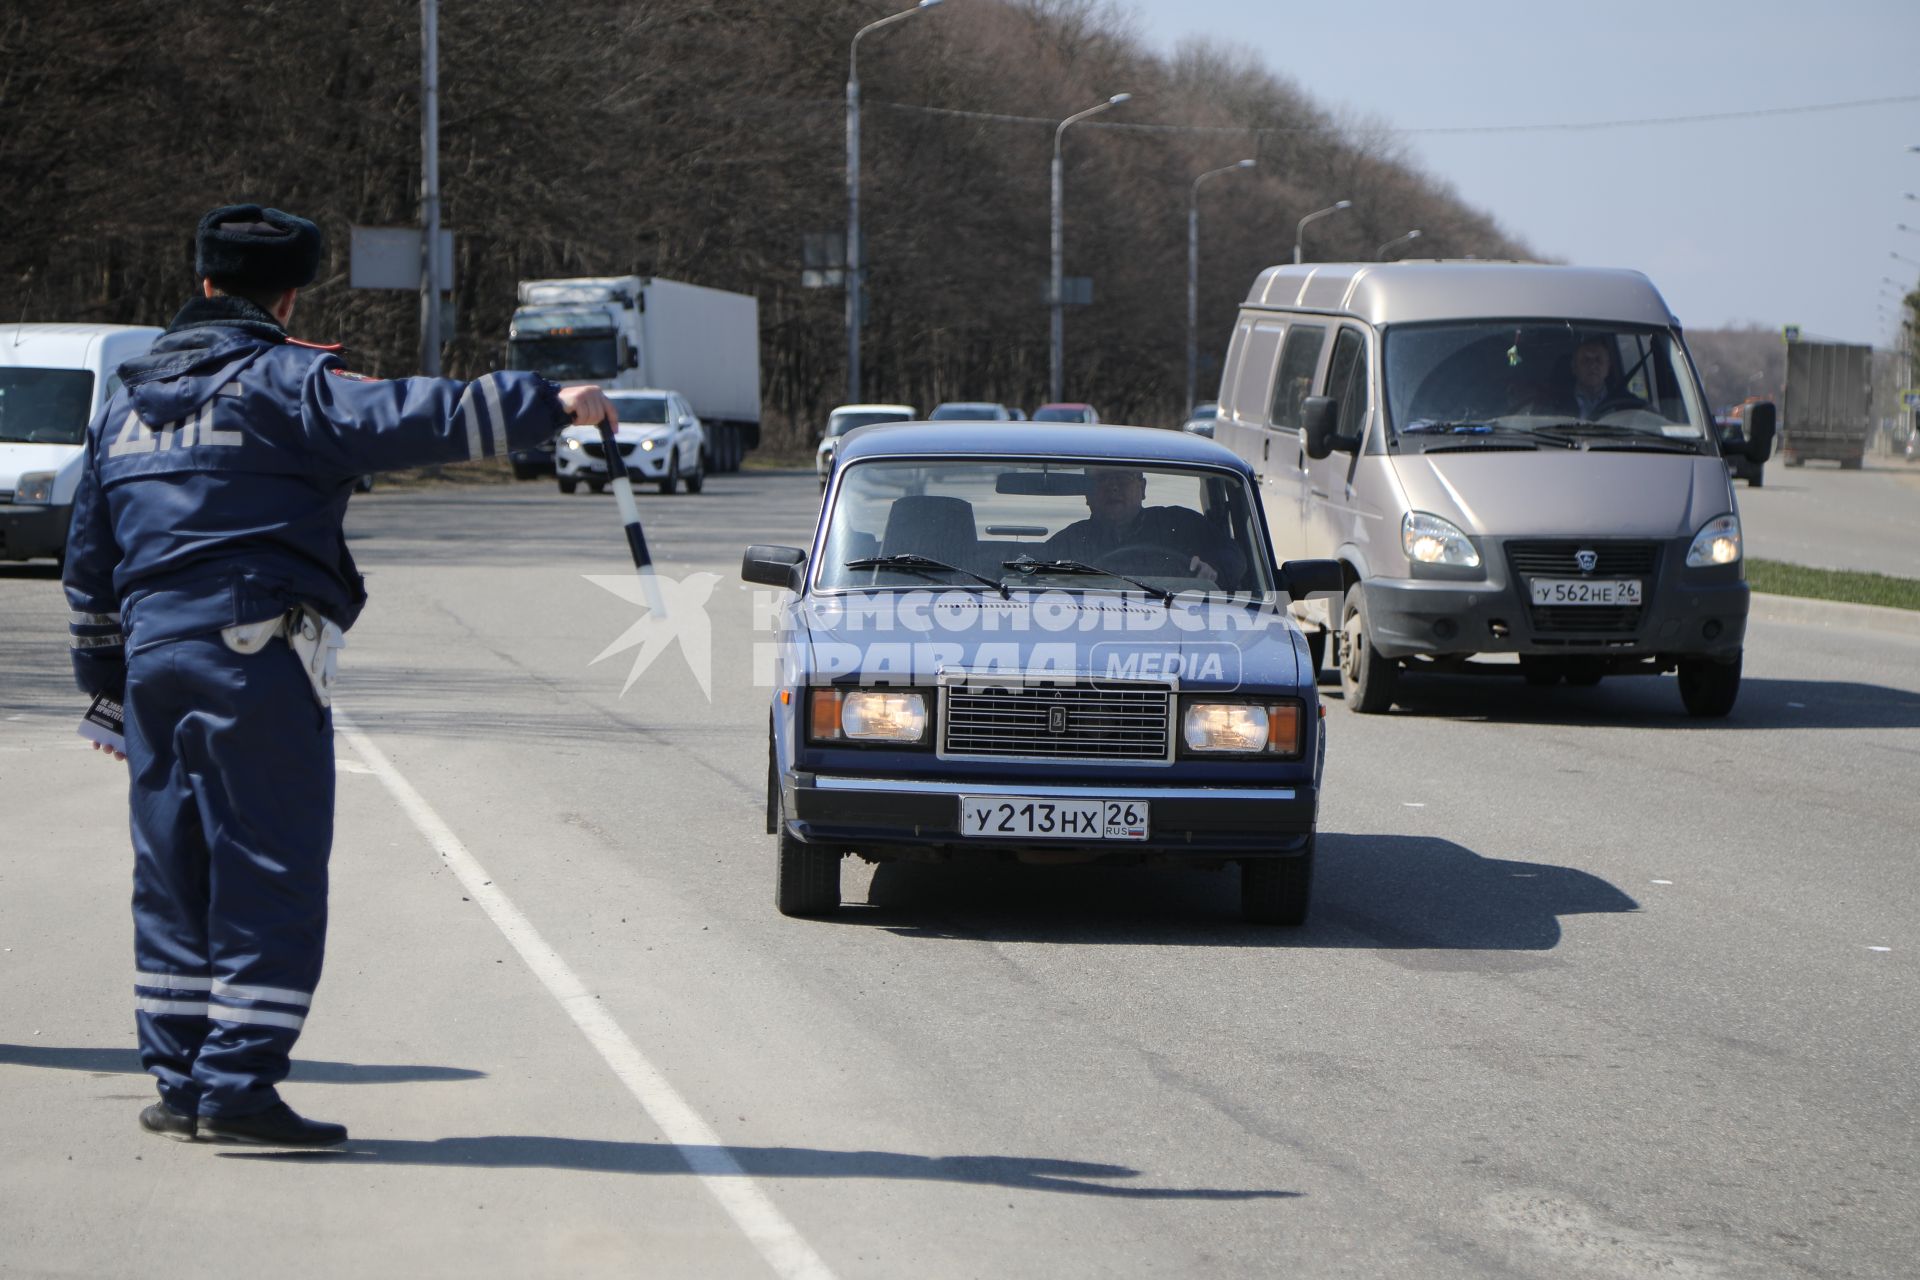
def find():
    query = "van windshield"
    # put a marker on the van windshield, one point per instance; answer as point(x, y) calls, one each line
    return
point(1541, 384)
point(45, 406)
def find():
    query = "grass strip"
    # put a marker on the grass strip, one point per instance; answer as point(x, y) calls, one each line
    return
point(1847, 585)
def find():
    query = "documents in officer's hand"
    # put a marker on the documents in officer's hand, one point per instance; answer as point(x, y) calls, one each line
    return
point(105, 724)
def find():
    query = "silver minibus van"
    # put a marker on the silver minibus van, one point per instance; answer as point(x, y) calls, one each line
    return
point(1505, 458)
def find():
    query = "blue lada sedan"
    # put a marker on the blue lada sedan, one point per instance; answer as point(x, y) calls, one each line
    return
point(1043, 644)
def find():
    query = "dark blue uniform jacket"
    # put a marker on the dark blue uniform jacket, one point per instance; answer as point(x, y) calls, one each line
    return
point(217, 479)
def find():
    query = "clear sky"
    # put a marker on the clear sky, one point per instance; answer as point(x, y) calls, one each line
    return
point(1776, 219)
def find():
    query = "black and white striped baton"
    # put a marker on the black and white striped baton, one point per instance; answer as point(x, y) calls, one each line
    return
point(630, 514)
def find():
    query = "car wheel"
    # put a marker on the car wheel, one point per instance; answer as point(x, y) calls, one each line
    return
point(809, 883)
point(1709, 688)
point(1275, 890)
point(671, 480)
point(698, 480)
point(1367, 678)
point(568, 486)
point(363, 484)
point(598, 486)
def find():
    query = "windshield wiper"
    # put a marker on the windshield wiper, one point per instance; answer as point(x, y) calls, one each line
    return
point(926, 566)
point(1573, 433)
point(1464, 426)
point(1029, 566)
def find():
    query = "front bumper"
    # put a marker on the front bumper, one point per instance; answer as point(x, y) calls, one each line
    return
point(920, 818)
point(1685, 612)
point(31, 531)
point(642, 464)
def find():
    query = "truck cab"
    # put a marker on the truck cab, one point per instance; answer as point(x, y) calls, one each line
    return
point(53, 380)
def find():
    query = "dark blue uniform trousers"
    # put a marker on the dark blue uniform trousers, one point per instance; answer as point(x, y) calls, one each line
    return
point(231, 763)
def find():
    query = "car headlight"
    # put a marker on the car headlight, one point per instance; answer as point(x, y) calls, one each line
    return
point(647, 445)
point(1718, 542)
point(868, 715)
point(570, 443)
point(1430, 540)
point(34, 486)
point(1243, 728)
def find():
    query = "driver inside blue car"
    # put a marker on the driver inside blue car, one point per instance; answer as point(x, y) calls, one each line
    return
point(1119, 521)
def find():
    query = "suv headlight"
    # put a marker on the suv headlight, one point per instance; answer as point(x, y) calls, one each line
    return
point(1428, 539)
point(868, 715)
point(571, 442)
point(1243, 728)
point(35, 487)
point(1718, 542)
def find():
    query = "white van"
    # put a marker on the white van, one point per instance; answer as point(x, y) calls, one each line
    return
point(1505, 458)
point(53, 379)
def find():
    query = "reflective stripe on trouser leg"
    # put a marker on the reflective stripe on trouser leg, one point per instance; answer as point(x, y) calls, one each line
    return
point(259, 753)
point(171, 973)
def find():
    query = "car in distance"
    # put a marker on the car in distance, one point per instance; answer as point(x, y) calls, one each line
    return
point(659, 436)
point(1066, 412)
point(971, 667)
point(971, 411)
point(1200, 421)
point(847, 418)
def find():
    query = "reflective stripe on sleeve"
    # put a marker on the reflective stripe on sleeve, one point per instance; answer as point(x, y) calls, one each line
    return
point(256, 1017)
point(279, 995)
point(76, 618)
point(147, 1004)
point(172, 981)
point(491, 390)
point(113, 641)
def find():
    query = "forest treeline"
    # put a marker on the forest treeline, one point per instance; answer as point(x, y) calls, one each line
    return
point(701, 140)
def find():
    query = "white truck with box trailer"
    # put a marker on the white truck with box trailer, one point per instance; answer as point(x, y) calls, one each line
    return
point(53, 380)
point(643, 332)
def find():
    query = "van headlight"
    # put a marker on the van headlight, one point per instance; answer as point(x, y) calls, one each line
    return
point(868, 715)
point(35, 487)
point(1428, 539)
point(1718, 542)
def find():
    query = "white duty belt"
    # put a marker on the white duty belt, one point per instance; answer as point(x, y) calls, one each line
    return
point(314, 639)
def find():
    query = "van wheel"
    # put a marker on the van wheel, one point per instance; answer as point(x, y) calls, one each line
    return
point(1367, 678)
point(1709, 688)
point(598, 486)
point(1275, 890)
point(1316, 647)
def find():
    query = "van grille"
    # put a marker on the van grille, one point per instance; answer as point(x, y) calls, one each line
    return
point(1556, 558)
point(1109, 721)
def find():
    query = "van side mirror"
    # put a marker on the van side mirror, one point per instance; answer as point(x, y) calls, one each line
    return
point(775, 567)
point(1303, 578)
point(1759, 420)
point(1318, 414)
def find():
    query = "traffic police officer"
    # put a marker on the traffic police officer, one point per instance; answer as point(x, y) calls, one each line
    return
point(209, 581)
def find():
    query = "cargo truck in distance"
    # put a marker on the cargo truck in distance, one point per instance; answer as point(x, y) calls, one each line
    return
point(1826, 410)
point(643, 332)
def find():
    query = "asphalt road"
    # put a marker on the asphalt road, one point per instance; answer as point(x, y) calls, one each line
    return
point(1589, 990)
point(1820, 515)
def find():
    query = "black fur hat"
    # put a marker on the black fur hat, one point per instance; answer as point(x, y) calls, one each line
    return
point(243, 246)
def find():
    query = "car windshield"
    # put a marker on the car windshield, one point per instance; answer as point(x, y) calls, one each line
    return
point(641, 409)
point(44, 406)
point(1208, 410)
point(1541, 384)
point(965, 411)
point(841, 423)
point(1029, 523)
point(566, 359)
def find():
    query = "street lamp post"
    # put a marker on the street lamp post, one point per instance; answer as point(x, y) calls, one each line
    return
point(1380, 254)
point(855, 269)
point(1193, 276)
point(1913, 262)
point(1058, 326)
point(1300, 228)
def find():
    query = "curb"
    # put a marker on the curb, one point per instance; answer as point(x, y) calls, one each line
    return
point(1834, 613)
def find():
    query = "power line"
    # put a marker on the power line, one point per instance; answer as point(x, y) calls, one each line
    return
point(1640, 122)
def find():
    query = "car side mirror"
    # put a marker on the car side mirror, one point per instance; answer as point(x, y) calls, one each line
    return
point(1317, 417)
point(1760, 425)
point(775, 566)
point(1303, 578)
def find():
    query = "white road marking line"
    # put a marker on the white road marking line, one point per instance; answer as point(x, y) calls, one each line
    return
point(777, 1240)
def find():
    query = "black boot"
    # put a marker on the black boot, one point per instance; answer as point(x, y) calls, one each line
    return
point(168, 1123)
point(277, 1126)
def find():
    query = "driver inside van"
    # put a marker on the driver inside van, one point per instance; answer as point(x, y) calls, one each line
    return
point(1118, 520)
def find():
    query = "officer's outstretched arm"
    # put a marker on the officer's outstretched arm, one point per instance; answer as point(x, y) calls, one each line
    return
point(356, 425)
point(93, 625)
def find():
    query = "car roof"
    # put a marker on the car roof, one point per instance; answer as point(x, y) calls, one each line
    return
point(969, 404)
point(66, 346)
point(1065, 404)
point(872, 408)
point(657, 393)
point(1079, 442)
point(1384, 293)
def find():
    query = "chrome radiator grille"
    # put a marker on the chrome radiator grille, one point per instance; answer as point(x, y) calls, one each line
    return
point(1112, 720)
